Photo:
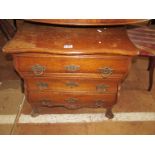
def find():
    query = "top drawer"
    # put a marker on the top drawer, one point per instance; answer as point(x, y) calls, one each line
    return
point(42, 64)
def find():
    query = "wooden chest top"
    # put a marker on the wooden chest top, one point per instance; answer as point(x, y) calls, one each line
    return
point(68, 40)
point(90, 22)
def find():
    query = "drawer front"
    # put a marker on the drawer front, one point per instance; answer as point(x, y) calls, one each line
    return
point(69, 100)
point(40, 65)
point(71, 85)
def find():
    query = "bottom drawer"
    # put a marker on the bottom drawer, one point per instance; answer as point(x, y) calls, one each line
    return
point(76, 100)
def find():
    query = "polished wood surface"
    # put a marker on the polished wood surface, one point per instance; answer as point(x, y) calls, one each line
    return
point(71, 84)
point(59, 63)
point(71, 67)
point(90, 22)
point(64, 40)
point(71, 100)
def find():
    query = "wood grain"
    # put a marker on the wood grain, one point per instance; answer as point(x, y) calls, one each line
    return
point(65, 40)
point(50, 99)
point(90, 22)
point(70, 66)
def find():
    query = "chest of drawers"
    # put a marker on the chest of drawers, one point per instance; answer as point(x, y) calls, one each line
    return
point(71, 67)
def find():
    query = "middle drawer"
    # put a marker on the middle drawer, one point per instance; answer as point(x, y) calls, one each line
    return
point(71, 85)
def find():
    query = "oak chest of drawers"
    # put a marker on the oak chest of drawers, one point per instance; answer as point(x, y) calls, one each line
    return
point(71, 66)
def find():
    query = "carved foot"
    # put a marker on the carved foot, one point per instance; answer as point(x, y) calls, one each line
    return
point(109, 113)
point(35, 112)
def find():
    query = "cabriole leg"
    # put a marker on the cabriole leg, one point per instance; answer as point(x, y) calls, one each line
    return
point(35, 111)
point(109, 113)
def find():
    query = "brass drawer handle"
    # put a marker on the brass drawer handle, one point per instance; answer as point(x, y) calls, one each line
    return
point(72, 68)
point(42, 85)
point(71, 84)
point(106, 71)
point(71, 100)
point(99, 103)
point(46, 102)
point(101, 88)
point(38, 69)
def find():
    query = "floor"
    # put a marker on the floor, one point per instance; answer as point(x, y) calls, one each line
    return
point(134, 113)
